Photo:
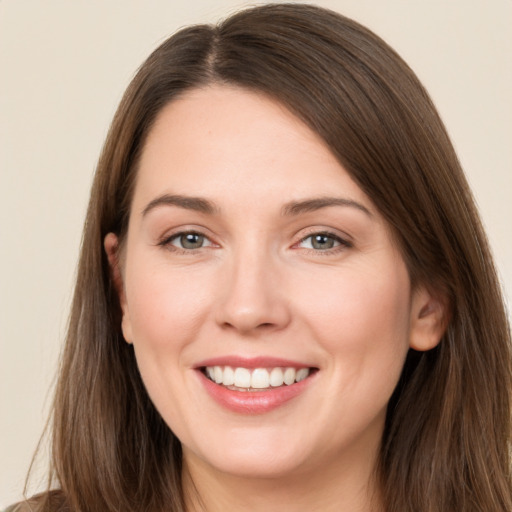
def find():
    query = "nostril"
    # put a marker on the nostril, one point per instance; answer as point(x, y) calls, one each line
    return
point(252, 313)
point(249, 326)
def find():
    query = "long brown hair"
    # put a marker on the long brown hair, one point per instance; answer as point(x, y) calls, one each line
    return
point(446, 440)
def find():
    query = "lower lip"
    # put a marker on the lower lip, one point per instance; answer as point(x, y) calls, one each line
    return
point(253, 402)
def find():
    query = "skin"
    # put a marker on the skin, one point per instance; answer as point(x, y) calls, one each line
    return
point(258, 287)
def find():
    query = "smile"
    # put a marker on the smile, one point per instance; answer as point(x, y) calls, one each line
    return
point(255, 385)
point(255, 379)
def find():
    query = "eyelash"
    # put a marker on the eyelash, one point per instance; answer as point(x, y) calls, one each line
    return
point(341, 244)
point(167, 242)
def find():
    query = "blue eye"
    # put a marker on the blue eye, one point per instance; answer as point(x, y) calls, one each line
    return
point(188, 241)
point(322, 242)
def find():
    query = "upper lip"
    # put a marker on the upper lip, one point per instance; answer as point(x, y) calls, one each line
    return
point(252, 362)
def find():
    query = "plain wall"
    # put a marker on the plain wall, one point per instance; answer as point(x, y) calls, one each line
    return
point(63, 68)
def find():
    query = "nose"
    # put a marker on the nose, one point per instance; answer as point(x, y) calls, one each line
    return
point(253, 298)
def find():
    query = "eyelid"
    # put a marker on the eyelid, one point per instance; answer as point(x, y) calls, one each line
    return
point(178, 236)
point(166, 239)
point(344, 241)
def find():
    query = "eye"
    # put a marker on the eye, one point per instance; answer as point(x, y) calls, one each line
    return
point(188, 241)
point(322, 242)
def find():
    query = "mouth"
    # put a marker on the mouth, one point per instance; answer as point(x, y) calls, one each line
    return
point(255, 385)
point(256, 379)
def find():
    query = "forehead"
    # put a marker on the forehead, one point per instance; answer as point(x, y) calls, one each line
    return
point(238, 145)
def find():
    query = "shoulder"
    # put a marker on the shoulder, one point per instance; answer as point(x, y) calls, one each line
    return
point(50, 501)
point(19, 507)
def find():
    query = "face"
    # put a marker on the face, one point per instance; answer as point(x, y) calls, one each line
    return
point(269, 309)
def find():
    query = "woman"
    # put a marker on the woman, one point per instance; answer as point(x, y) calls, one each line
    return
point(285, 295)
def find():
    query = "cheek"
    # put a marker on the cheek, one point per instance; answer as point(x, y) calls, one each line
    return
point(370, 298)
point(164, 311)
point(164, 308)
point(361, 318)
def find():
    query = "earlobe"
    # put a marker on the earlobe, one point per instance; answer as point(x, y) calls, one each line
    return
point(429, 316)
point(111, 245)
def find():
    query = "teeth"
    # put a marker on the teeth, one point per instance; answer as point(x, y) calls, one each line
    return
point(228, 376)
point(242, 377)
point(302, 374)
point(289, 376)
point(276, 377)
point(217, 374)
point(259, 378)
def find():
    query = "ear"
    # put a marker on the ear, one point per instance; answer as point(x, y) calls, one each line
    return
point(429, 319)
point(111, 245)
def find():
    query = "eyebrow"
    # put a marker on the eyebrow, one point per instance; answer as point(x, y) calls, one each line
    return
point(311, 205)
point(292, 208)
point(197, 204)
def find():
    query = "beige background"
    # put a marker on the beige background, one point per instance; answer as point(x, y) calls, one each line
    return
point(63, 67)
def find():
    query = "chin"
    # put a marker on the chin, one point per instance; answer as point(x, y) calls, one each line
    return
point(256, 458)
point(270, 467)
